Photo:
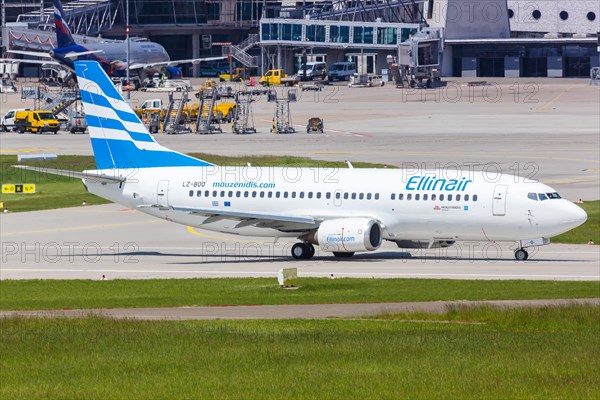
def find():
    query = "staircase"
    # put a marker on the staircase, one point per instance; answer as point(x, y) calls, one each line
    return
point(173, 122)
point(59, 102)
point(240, 51)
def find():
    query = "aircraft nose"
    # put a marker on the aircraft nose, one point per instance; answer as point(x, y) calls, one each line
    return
point(576, 214)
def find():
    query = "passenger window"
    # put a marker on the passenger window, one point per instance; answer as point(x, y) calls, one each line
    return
point(449, 197)
point(409, 196)
point(191, 193)
point(206, 193)
point(345, 196)
point(262, 195)
point(368, 196)
point(401, 196)
point(199, 193)
point(376, 196)
point(441, 197)
point(230, 194)
point(466, 197)
point(310, 195)
point(277, 194)
point(361, 196)
point(246, 194)
point(532, 196)
point(458, 197)
point(238, 193)
point(328, 195)
point(417, 196)
point(353, 196)
point(542, 196)
point(222, 193)
point(293, 195)
point(285, 195)
point(425, 196)
point(318, 195)
point(215, 193)
point(253, 194)
point(393, 196)
point(433, 197)
point(474, 197)
point(270, 194)
point(338, 195)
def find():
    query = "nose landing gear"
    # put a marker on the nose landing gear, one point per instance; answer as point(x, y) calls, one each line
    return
point(303, 251)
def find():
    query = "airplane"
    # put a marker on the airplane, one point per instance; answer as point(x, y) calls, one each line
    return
point(343, 211)
point(146, 58)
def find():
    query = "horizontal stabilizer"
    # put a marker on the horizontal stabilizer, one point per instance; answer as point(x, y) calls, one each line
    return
point(90, 175)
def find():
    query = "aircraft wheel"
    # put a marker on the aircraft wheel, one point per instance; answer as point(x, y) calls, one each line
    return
point(300, 251)
point(311, 250)
point(343, 254)
point(521, 255)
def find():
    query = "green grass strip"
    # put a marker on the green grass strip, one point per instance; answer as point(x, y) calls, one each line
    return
point(60, 294)
point(509, 354)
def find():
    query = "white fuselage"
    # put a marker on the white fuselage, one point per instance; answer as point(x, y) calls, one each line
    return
point(408, 205)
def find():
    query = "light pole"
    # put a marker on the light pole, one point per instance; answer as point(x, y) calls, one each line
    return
point(127, 39)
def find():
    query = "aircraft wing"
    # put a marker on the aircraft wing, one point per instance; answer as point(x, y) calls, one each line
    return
point(30, 53)
point(174, 62)
point(262, 220)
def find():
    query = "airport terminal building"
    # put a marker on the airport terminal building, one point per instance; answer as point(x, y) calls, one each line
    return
point(491, 38)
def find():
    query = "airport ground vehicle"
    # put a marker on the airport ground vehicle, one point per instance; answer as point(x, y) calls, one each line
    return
point(208, 72)
point(313, 70)
point(8, 120)
point(237, 76)
point(36, 121)
point(7, 86)
point(277, 77)
point(341, 71)
point(315, 125)
point(222, 112)
point(167, 85)
point(77, 123)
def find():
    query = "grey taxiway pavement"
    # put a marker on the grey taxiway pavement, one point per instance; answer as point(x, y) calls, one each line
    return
point(92, 241)
point(304, 311)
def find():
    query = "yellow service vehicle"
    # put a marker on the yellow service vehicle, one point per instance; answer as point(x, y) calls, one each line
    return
point(36, 121)
point(277, 77)
point(222, 112)
point(237, 76)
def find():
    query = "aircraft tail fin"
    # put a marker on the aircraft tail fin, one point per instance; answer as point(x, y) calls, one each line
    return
point(119, 138)
point(64, 37)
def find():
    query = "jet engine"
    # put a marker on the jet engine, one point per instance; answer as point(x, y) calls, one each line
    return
point(348, 235)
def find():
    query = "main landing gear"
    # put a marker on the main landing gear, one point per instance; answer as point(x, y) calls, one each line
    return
point(521, 255)
point(303, 251)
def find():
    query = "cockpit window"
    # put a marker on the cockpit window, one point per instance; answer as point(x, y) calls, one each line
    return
point(553, 195)
point(532, 196)
point(542, 196)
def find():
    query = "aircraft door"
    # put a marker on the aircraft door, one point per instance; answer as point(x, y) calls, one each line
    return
point(162, 193)
point(499, 201)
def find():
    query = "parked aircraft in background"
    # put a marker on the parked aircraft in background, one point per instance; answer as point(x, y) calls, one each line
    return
point(341, 210)
point(146, 58)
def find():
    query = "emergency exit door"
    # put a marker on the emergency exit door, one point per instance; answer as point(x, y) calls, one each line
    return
point(499, 202)
point(162, 194)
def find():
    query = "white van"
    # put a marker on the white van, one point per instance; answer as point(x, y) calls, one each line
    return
point(8, 120)
point(313, 70)
point(342, 71)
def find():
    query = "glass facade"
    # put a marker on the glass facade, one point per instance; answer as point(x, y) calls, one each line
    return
point(315, 33)
point(161, 12)
point(363, 34)
point(339, 34)
point(387, 35)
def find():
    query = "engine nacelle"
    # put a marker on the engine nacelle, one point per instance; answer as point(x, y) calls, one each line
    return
point(349, 235)
point(423, 244)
